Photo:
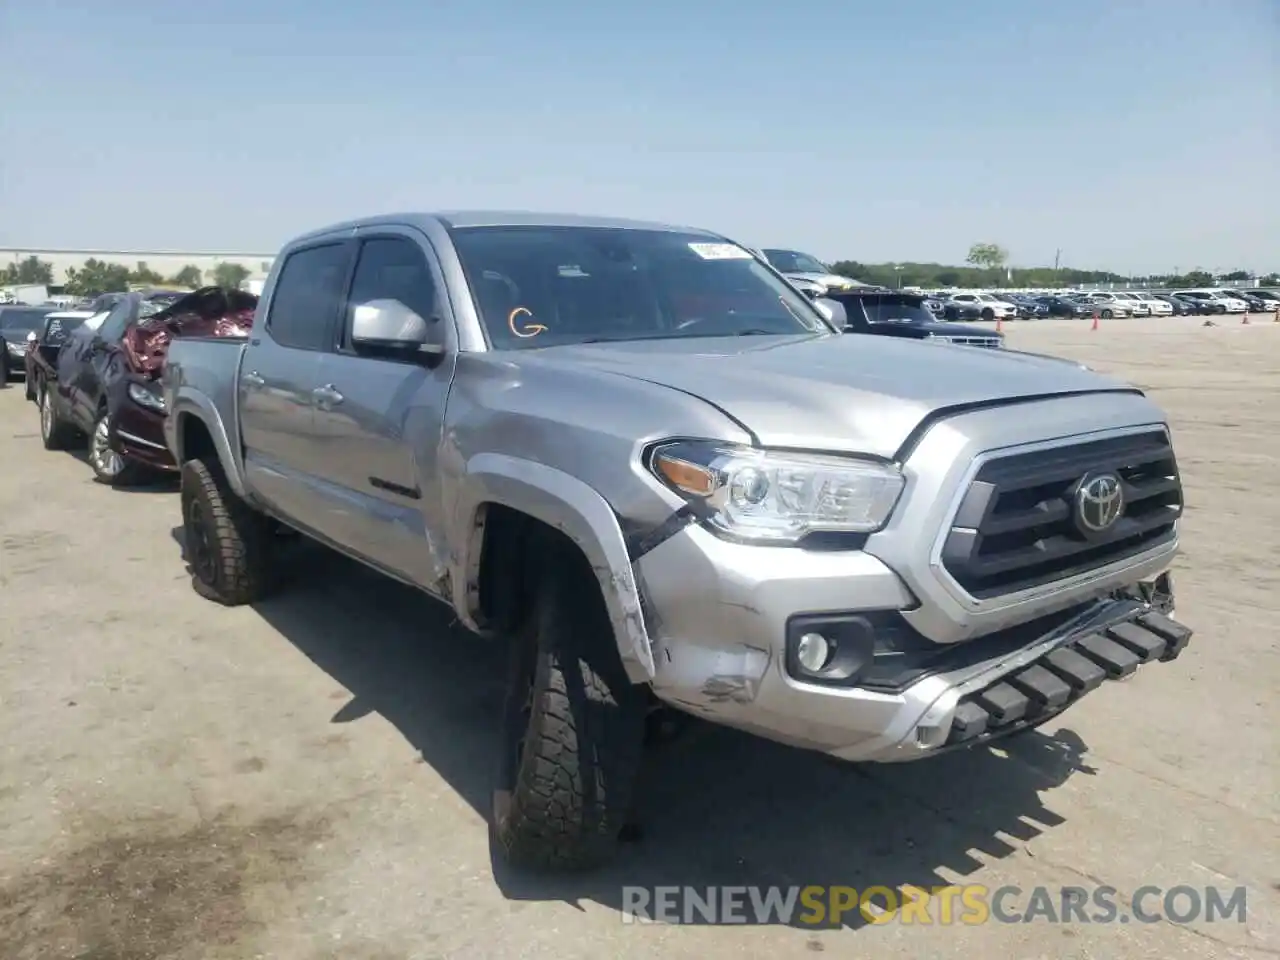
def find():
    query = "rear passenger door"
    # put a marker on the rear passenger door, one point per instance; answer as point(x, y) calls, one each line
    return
point(381, 415)
point(279, 374)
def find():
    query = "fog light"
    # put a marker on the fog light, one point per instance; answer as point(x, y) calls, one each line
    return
point(813, 652)
point(828, 648)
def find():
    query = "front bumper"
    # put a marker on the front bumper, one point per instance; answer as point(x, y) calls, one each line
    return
point(729, 663)
point(137, 432)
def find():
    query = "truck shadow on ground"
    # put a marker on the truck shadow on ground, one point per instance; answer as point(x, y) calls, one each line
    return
point(716, 807)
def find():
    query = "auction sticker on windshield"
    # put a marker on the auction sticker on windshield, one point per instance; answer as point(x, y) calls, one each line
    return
point(719, 251)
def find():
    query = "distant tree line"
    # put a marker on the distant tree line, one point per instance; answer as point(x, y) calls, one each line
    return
point(98, 276)
point(987, 267)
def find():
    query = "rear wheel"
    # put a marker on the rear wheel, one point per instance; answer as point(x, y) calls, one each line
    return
point(55, 433)
point(226, 543)
point(573, 733)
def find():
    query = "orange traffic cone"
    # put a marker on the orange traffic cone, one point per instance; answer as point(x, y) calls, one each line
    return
point(999, 325)
point(1277, 314)
point(1095, 321)
point(1245, 318)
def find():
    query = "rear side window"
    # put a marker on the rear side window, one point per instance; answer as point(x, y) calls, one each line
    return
point(306, 297)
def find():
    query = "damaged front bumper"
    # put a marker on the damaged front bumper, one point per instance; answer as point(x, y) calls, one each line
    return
point(727, 655)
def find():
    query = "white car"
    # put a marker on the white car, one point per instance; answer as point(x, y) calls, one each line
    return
point(1229, 303)
point(993, 308)
point(1154, 306)
point(1107, 305)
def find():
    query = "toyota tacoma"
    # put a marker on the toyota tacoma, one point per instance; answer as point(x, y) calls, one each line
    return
point(653, 467)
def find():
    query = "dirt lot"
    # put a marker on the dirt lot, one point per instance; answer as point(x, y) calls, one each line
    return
point(308, 779)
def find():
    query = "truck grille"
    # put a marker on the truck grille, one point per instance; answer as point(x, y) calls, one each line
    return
point(1020, 524)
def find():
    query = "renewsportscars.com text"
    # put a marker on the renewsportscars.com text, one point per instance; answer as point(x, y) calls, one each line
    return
point(967, 904)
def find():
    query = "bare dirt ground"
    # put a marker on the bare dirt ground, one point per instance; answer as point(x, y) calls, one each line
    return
point(309, 779)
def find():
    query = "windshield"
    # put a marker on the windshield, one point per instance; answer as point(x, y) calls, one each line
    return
point(23, 320)
point(894, 310)
point(792, 261)
point(546, 286)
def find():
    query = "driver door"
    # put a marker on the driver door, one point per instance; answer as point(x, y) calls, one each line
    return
point(380, 417)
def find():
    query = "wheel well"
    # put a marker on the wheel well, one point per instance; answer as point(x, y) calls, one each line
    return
point(195, 440)
point(515, 549)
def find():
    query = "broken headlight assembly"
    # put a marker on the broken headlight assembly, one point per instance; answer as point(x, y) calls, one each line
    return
point(146, 397)
point(777, 497)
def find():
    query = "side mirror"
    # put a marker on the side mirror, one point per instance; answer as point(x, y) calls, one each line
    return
point(390, 325)
point(834, 311)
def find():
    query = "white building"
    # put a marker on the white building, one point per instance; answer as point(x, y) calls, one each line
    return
point(164, 262)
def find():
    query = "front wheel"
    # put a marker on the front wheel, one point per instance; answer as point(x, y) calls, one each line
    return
point(572, 735)
point(226, 543)
point(1107, 314)
point(108, 466)
point(988, 314)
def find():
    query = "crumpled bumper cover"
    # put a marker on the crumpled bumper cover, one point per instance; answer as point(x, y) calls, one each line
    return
point(1047, 686)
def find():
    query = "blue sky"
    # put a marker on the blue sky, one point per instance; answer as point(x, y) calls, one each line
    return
point(1139, 136)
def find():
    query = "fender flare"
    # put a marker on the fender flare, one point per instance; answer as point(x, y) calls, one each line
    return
point(567, 504)
point(203, 409)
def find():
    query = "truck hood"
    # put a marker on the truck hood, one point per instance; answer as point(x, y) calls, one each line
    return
point(841, 393)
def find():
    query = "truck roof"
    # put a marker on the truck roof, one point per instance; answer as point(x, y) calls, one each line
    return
point(503, 218)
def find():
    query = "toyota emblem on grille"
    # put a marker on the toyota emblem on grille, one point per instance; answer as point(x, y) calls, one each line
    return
point(1099, 502)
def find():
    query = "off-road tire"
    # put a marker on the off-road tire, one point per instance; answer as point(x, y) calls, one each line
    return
point(573, 733)
point(236, 569)
point(58, 434)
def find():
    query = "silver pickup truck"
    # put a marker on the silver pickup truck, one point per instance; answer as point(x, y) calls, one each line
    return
point(641, 456)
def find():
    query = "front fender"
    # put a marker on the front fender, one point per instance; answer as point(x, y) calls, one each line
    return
point(577, 510)
point(193, 404)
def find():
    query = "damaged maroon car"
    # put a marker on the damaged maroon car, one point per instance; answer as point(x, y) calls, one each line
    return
point(108, 378)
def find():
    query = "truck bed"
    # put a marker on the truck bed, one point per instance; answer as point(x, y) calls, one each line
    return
point(201, 375)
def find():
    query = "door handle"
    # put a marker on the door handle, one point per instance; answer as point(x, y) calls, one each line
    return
point(252, 380)
point(327, 396)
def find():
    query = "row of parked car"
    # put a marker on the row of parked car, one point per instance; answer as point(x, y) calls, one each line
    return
point(94, 371)
point(1108, 304)
point(660, 476)
point(817, 279)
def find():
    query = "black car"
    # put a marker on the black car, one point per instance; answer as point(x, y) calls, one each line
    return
point(1201, 306)
point(91, 374)
point(16, 321)
point(1063, 307)
point(1181, 308)
point(1029, 308)
point(953, 310)
point(890, 313)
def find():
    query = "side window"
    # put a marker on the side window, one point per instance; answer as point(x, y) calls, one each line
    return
point(113, 326)
point(392, 268)
point(306, 297)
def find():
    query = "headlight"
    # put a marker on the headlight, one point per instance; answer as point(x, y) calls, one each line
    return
point(16, 349)
point(762, 496)
point(144, 397)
